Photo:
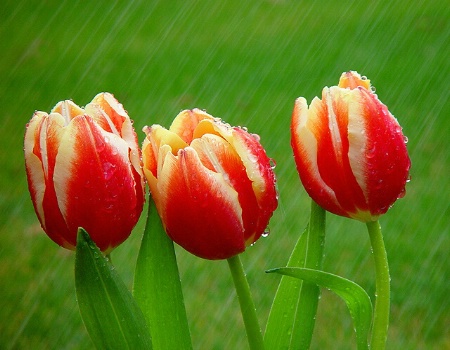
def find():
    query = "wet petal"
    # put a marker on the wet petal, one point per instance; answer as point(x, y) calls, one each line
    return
point(200, 210)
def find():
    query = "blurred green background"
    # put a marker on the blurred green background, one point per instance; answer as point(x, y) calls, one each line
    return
point(246, 62)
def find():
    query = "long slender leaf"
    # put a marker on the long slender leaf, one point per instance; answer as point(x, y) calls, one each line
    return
point(109, 312)
point(157, 287)
point(356, 298)
point(284, 307)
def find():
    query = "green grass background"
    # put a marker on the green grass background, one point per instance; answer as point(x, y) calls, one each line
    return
point(246, 62)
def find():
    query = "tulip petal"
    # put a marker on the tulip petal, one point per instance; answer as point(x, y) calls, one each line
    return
point(218, 155)
point(108, 113)
point(333, 150)
point(160, 136)
point(305, 146)
point(93, 171)
point(201, 212)
point(68, 110)
point(149, 160)
point(255, 160)
point(387, 172)
point(258, 171)
point(42, 141)
point(158, 142)
point(112, 117)
point(33, 162)
point(186, 122)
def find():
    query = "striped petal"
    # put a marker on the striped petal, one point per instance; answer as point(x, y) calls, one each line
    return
point(200, 210)
point(219, 156)
point(94, 180)
point(186, 122)
point(388, 163)
point(42, 140)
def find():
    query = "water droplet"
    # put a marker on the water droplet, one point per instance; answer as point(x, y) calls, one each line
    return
point(256, 137)
point(251, 157)
point(108, 170)
point(373, 89)
point(266, 232)
point(405, 139)
point(371, 152)
point(273, 164)
point(100, 146)
point(402, 193)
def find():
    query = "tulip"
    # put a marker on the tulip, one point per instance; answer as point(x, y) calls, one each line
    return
point(349, 150)
point(213, 184)
point(84, 170)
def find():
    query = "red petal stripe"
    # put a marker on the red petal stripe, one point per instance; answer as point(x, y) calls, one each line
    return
point(199, 209)
point(100, 186)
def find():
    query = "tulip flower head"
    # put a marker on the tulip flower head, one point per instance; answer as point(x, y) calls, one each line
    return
point(349, 150)
point(84, 170)
point(213, 184)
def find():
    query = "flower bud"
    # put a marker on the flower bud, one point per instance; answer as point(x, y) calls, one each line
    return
point(84, 170)
point(213, 184)
point(349, 150)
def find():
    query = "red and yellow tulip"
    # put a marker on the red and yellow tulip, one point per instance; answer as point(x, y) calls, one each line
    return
point(213, 184)
point(84, 170)
point(349, 150)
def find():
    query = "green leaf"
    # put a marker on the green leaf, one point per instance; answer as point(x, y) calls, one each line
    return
point(284, 307)
point(109, 312)
point(356, 298)
point(292, 316)
point(305, 317)
point(157, 287)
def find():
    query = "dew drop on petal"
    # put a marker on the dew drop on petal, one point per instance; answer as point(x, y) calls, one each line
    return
point(371, 152)
point(273, 164)
point(100, 146)
point(402, 193)
point(251, 157)
point(256, 137)
point(108, 170)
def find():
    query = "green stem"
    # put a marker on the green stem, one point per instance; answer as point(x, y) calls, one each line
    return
point(310, 292)
point(254, 335)
point(382, 302)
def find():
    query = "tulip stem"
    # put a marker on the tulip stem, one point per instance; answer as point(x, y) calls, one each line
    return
point(382, 302)
point(310, 292)
point(254, 335)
